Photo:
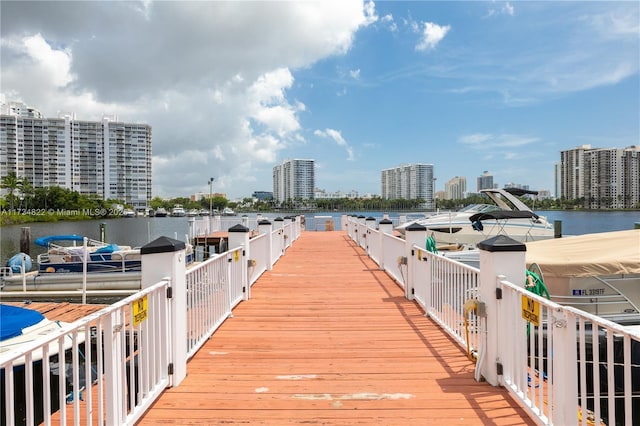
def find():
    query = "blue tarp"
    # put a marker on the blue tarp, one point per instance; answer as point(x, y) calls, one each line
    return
point(17, 260)
point(45, 241)
point(14, 319)
point(109, 248)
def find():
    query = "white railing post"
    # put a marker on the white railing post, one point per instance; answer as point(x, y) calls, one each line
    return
point(371, 224)
point(239, 237)
point(265, 227)
point(502, 257)
point(278, 224)
point(354, 228)
point(344, 223)
point(565, 385)
point(114, 329)
point(161, 259)
point(414, 235)
point(292, 226)
point(385, 227)
point(362, 232)
point(296, 226)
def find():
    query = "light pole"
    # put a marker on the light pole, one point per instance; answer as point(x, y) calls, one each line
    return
point(211, 196)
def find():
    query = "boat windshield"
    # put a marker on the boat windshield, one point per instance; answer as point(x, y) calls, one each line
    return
point(480, 208)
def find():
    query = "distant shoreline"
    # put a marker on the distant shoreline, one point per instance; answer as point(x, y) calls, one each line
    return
point(10, 219)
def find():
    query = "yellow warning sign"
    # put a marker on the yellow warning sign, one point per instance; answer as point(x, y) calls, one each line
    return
point(140, 310)
point(531, 310)
point(236, 256)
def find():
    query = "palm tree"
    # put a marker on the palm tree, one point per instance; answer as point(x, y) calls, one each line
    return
point(10, 182)
point(26, 190)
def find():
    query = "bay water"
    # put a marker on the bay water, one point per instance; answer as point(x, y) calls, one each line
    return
point(139, 231)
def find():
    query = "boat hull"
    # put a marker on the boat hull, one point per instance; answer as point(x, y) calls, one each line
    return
point(462, 232)
point(113, 266)
point(72, 281)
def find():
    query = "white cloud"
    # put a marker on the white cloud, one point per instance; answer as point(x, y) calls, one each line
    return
point(355, 73)
point(336, 136)
point(432, 35)
point(482, 141)
point(211, 77)
point(501, 9)
point(389, 22)
point(370, 12)
point(57, 63)
point(475, 138)
point(268, 104)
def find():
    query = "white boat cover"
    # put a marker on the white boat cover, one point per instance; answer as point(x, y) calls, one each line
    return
point(606, 253)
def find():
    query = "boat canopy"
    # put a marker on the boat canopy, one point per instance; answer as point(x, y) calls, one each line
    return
point(14, 319)
point(45, 241)
point(503, 214)
point(606, 253)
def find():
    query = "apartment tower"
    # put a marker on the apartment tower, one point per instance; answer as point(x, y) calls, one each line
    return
point(601, 177)
point(409, 182)
point(455, 188)
point(108, 158)
point(294, 180)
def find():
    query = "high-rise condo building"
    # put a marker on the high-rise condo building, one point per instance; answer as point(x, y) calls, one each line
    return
point(108, 158)
point(485, 181)
point(455, 188)
point(409, 182)
point(294, 180)
point(601, 177)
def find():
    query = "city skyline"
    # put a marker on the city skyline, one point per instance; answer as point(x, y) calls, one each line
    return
point(230, 89)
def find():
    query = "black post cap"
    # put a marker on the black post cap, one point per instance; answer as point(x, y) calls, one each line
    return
point(501, 243)
point(238, 228)
point(162, 245)
point(415, 227)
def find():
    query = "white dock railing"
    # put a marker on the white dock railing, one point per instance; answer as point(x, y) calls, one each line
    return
point(563, 365)
point(212, 293)
point(110, 366)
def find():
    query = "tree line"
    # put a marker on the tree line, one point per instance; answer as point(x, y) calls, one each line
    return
point(24, 203)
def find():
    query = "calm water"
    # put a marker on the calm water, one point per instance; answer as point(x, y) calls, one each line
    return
point(139, 231)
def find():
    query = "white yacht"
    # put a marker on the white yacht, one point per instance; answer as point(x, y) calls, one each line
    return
point(178, 211)
point(228, 211)
point(478, 222)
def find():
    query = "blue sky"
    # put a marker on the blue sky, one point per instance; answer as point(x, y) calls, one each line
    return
point(234, 88)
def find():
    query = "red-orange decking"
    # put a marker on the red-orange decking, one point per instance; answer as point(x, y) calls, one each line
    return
point(329, 339)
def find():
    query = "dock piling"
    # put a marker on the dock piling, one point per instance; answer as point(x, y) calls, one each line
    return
point(25, 240)
point(103, 232)
point(557, 229)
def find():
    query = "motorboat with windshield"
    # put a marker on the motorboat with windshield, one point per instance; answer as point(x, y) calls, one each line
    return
point(508, 215)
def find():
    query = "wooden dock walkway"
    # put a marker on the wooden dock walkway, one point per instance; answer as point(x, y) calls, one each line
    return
point(329, 339)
